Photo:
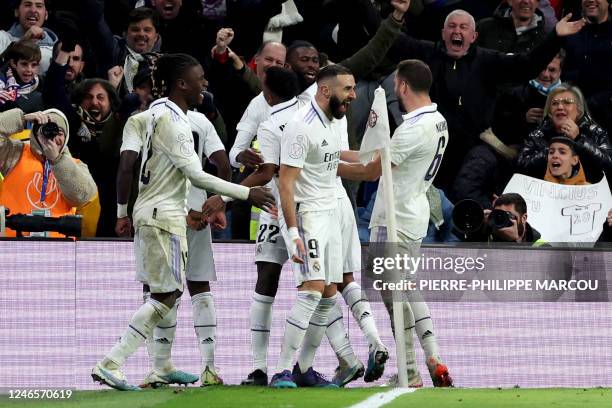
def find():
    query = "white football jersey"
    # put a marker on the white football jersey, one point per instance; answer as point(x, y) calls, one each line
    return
point(206, 142)
point(168, 161)
point(255, 114)
point(312, 142)
point(417, 148)
point(270, 134)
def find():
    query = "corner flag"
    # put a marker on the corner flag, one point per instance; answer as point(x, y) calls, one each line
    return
point(377, 134)
point(377, 138)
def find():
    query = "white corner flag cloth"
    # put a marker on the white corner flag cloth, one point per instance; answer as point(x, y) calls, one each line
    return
point(377, 135)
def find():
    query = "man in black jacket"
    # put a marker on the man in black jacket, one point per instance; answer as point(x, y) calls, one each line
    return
point(466, 79)
point(589, 53)
point(515, 27)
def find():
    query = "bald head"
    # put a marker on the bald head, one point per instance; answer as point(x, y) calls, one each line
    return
point(270, 54)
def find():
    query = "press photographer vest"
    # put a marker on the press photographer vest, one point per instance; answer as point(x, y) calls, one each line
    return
point(23, 186)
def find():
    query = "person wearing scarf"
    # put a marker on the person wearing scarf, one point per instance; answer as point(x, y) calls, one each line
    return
point(566, 114)
point(19, 81)
point(563, 163)
point(31, 16)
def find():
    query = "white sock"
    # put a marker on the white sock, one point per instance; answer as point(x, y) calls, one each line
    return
point(261, 322)
point(296, 326)
point(338, 337)
point(315, 332)
point(205, 325)
point(424, 328)
point(411, 364)
point(159, 345)
point(140, 327)
point(359, 305)
point(408, 333)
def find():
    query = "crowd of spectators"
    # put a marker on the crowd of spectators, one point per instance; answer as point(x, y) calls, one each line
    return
point(509, 76)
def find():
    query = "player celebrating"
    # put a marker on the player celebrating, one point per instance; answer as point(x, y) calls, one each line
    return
point(417, 148)
point(168, 162)
point(310, 153)
point(200, 269)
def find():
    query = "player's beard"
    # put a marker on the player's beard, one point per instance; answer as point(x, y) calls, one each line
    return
point(334, 105)
point(399, 101)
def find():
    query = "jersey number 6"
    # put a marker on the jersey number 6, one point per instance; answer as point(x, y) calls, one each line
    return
point(437, 160)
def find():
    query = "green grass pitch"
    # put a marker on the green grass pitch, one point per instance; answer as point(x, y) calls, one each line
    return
point(226, 397)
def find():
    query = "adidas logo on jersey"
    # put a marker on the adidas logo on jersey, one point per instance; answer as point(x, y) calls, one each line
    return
point(162, 340)
point(324, 143)
point(208, 340)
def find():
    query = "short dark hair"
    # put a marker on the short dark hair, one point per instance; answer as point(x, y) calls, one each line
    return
point(81, 90)
point(512, 199)
point(416, 74)
point(297, 44)
point(282, 82)
point(22, 50)
point(332, 71)
point(143, 13)
point(17, 3)
point(167, 70)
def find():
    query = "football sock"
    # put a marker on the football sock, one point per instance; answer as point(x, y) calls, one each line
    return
point(261, 322)
point(159, 345)
point(338, 337)
point(205, 325)
point(408, 333)
point(315, 332)
point(359, 305)
point(140, 327)
point(296, 326)
point(424, 328)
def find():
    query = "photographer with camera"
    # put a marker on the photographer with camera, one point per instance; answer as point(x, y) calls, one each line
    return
point(41, 174)
point(507, 222)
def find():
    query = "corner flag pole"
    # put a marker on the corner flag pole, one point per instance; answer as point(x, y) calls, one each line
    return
point(377, 138)
point(398, 308)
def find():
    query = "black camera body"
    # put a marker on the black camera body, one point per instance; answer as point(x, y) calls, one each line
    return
point(499, 219)
point(49, 130)
point(468, 217)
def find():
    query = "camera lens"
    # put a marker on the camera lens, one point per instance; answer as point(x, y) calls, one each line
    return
point(49, 130)
point(500, 219)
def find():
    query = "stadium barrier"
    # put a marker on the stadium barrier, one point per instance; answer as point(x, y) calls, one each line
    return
point(64, 304)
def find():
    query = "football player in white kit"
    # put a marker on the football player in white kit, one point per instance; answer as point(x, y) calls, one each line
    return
point(417, 148)
point(169, 161)
point(280, 90)
point(200, 269)
point(310, 152)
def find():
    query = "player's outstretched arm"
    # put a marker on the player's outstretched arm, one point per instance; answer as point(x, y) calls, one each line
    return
point(359, 172)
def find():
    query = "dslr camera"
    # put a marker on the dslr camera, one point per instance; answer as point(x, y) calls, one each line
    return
point(49, 130)
point(469, 217)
